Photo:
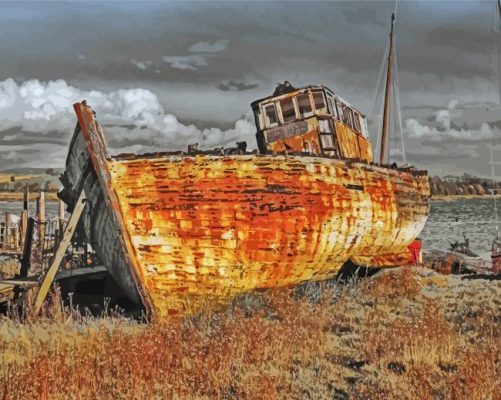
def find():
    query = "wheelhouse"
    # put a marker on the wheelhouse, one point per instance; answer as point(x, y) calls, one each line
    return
point(310, 121)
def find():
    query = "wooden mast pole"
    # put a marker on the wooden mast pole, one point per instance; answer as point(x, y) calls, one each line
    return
point(384, 133)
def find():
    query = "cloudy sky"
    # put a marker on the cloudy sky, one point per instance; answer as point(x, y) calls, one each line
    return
point(164, 74)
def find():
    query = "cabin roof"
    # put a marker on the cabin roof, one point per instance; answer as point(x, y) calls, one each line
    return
point(284, 89)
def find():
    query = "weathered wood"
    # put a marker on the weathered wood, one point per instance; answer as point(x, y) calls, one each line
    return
point(60, 221)
point(27, 246)
point(61, 210)
point(61, 251)
point(41, 218)
point(7, 235)
point(26, 198)
point(24, 226)
point(104, 223)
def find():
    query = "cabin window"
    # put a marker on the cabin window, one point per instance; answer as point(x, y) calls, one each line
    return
point(356, 120)
point(363, 126)
point(348, 116)
point(288, 111)
point(339, 110)
point(319, 100)
point(270, 115)
point(304, 105)
point(332, 106)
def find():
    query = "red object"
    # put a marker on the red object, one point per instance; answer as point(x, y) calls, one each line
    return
point(415, 256)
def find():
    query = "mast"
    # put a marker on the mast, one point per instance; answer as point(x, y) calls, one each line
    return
point(384, 133)
point(497, 30)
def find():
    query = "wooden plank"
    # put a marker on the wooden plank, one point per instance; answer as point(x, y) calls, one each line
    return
point(63, 274)
point(61, 251)
point(24, 225)
point(26, 198)
point(27, 245)
point(41, 218)
point(19, 282)
point(96, 148)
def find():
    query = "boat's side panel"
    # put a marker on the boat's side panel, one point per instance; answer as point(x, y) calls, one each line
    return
point(218, 226)
point(97, 219)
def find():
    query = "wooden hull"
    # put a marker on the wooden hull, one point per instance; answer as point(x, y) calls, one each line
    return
point(216, 226)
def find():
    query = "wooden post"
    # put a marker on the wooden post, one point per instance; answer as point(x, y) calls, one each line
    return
point(28, 241)
point(41, 219)
point(61, 210)
point(24, 226)
point(60, 222)
point(7, 237)
point(60, 252)
point(26, 199)
point(2, 234)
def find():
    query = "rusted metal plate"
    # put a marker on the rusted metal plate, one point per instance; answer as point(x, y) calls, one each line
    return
point(286, 131)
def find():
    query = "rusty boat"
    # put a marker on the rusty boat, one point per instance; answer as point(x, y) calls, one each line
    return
point(174, 229)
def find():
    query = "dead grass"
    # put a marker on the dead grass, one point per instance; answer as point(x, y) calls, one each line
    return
point(381, 338)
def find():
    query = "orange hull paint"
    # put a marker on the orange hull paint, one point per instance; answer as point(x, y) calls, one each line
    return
point(218, 226)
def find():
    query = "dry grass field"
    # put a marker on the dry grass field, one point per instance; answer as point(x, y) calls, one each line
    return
point(402, 334)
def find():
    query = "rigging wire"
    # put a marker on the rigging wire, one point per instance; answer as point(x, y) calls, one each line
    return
point(377, 105)
point(398, 110)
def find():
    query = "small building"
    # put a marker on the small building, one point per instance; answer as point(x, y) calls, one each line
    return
point(311, 121)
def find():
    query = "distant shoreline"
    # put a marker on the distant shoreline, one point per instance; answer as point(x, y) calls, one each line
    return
point(19, 196)
point(454, 197)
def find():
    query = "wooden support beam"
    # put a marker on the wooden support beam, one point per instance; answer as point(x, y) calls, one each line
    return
point(41, 219)
point(8, 229)
point(60, 253)
point(26, 198)
point(61, 220)
point(24, 226)
point(27, 245)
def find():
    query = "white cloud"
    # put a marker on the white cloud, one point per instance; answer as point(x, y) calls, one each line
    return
point(208, 47)
point(139, 64)
point(131, 119)
point(201, 52)
point(190, 62)
point(442, 127)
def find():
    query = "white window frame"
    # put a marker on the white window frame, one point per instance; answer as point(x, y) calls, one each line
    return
point(331, 104)
point(312, 109)
point(314, 104)
point(267, 123)
point(294, 105)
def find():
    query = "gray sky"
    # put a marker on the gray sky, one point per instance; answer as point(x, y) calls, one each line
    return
point(164, 74)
